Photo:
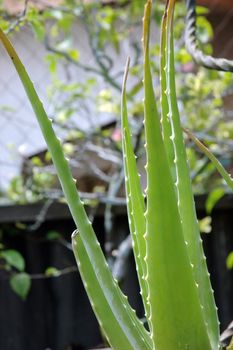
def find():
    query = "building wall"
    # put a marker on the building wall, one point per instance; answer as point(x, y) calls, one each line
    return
point(20, 134)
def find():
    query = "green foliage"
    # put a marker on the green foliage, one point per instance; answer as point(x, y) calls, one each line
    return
point(53, 235)
point(16, 190)
point(20, 284)
point(213, 198)
point(52, 272)
point(13, 258)
point(217, 164)
point(13, 262)
point(229, 261)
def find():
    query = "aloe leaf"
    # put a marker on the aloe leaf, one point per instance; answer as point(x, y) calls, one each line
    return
point(230, 346)
point(165, 110)
point(175, 312)
point(135, 330)
point(177, 156)
point(134, 195)
point(222, 171)
point(103, 301)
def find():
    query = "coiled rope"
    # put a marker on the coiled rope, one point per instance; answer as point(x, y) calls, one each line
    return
point(191, 42)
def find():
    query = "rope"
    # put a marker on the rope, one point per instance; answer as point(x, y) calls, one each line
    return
point(198, 56)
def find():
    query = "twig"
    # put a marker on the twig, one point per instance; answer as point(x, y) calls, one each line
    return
point(80, 65)
point(40, 276)
point(120, 265)
point(41, 216)
point(101, 197)
point(227, 335)
point(19, 19)
point(114, 187)
point(65, 271)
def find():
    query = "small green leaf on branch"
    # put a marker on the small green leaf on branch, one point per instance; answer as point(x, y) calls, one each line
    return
point(14, 259)
point(52, 272)
point(21, 284)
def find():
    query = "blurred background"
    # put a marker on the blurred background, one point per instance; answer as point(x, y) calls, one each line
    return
point(75, 52)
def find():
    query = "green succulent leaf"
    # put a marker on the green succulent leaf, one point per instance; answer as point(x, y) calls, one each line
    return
point(230, 346)
point(167, 255)
point(135, 199)
point(111, 309)
point(175, 148)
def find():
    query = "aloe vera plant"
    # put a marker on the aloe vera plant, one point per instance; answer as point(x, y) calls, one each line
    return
point(171, 267)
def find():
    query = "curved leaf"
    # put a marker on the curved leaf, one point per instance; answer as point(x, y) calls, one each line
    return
point(175, 312)
point(21, 284)
point(222, 171)
point(135, 199)
point(111, 309)
point(13, 258)
point(178, 162)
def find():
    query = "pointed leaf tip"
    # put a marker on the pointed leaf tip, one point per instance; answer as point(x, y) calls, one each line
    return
point(126, 73)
